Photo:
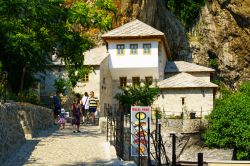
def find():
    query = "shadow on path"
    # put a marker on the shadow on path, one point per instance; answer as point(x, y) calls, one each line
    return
point(21, 155)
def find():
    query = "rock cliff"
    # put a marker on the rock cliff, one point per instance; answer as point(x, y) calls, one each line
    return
point(222, 34)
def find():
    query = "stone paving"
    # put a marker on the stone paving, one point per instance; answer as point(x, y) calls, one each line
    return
point(57, 147)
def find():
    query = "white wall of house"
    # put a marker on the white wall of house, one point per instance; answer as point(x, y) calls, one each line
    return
point(92, 85)
point(161, 60)
point(199, 100)
point(105, 85)
point(133, 65)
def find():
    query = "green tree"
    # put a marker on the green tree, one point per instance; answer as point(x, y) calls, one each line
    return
point(142, 95)
point(32, 30)
point(230, 123)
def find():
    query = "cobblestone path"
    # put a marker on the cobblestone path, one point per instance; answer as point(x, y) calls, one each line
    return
point(55, 147)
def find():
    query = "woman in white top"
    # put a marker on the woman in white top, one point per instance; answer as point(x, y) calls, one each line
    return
point(85, 106)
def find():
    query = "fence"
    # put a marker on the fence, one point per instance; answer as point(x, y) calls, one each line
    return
point(119, 134)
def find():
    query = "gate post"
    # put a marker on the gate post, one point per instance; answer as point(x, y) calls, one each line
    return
point(173, 149)
point(200, 159)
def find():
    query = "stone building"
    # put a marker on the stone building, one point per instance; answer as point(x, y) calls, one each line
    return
point(136, 53)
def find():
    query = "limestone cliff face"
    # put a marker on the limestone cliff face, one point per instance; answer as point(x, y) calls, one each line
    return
point(223, 33)
point(155, 13)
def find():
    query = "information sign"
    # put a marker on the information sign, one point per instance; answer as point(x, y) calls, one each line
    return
point(139, 128)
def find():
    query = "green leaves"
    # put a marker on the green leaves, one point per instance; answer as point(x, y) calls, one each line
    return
point(230, 124)
point(186, 10)
point(142, 95)
point(32, 30)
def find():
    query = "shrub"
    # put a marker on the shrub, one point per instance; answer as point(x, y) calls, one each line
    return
point(230, 124)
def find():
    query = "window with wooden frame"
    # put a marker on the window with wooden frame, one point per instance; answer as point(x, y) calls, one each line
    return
point(85, 77)
point(120, 49)
point(136, 81)
point(123, 81)
point(146, 48)
point(133, 49)
point(149, 80)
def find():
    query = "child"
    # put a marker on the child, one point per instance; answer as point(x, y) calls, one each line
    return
point(62, 120)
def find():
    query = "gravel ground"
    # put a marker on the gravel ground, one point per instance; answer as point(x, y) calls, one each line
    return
point(55, 147)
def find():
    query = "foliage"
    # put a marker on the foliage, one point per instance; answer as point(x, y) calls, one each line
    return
point(76, 74)
point(245, 88)
point(230, 126)
point(29, 96)
point(61, 85)
point(213, 63)
point(158, 113)
point(31, 31)
point(187, 11)
point(141, 95)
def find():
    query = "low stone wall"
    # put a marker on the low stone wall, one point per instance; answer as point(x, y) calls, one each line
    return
point(11, 132)
point(18, 120)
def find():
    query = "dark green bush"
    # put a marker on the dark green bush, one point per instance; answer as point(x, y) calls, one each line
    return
point(230, 123)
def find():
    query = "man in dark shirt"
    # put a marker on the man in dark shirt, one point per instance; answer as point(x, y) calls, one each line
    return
point(57, 106)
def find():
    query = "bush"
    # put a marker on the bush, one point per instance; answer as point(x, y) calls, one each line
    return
point(61, 85)
point(230, 124)
point(142, 95)
point(213, 63)
point(29, 96)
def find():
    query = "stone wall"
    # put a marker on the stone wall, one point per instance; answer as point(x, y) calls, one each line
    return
point(19, 120)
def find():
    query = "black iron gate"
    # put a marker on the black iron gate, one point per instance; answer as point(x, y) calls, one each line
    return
point(119, 130)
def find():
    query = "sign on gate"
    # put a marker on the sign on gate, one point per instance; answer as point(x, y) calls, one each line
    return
point(139, 128)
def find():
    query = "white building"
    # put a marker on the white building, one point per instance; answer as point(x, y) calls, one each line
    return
point(136, 52)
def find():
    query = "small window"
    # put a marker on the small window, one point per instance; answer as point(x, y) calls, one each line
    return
point(133, 48)
point(149, 80)
point(183, 101)
point(120, 49)
point(146, 48)
point(123, 81)
point(85, 77)
point(104, 80)
point(136, 81)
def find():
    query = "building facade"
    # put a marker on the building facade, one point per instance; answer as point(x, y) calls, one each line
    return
point(135, 53)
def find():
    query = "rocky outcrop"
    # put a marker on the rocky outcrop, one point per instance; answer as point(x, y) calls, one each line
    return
point(223, 34)
point(19, 120)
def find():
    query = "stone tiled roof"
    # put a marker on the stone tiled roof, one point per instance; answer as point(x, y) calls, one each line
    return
point(134, 28)
point(95, 56)
point(182, 66)
point(184, 80)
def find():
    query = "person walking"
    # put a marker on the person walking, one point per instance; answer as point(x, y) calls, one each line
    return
point(85, 107)
point(57, 106)
point(93, 104)
point(76, 115)
point(62, 119)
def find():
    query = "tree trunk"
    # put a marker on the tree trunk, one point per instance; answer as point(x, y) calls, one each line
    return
point(22, 78)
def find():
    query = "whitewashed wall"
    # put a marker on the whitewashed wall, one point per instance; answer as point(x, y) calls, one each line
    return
point(92, 85)
point(199, 100)
point(105, 85)
point(133, 65)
